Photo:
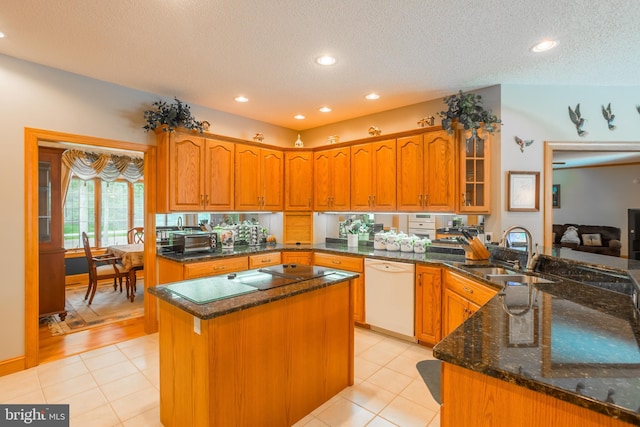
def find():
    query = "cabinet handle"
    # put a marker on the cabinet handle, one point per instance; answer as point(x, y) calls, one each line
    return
point(222, 267)
point(464, 288)
point(373, 199)
point(309, 205)
point(335, 261)
point(420, 200)
point(426, 200)
point(202, 199)
point(369, 201)
point(464, 200)
point(264, 261)
point(206, 199)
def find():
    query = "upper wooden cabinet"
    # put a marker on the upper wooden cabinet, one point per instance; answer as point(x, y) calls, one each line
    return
point(298, 180)
point(194, 173)
point(426, 173)
point(475, 172)
point(373, 176)
point(258, 179)
point(331, 179)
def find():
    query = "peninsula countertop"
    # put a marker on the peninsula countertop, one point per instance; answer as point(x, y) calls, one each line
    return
point(575, 342)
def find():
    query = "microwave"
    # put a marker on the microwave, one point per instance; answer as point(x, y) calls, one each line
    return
point(185, 242)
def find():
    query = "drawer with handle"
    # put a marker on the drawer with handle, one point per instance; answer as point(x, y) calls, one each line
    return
point(264, 260)
point(213, 268)
point(340, 262)
point(469, 289)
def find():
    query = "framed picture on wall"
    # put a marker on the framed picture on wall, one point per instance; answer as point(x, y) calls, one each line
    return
point(555, 195)
point(523, 191)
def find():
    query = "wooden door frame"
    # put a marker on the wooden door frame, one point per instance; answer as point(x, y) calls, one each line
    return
point(549, 148)
point(32, 137)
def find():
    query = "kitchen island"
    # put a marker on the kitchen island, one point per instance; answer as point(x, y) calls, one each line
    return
point(258, 357)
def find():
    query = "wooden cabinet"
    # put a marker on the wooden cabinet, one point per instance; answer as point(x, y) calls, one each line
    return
point(259, 176)
point(428, 304)
point(426, 173)
point(475, 172)
point(462, 297)
point(297, 257)
point(194, 173)
point(51, 279)
point(173, 271)
point(373, 176)
point(297, 227)
point(298, 180)
point(331, 179)
point(265, 260)
point(354, 264)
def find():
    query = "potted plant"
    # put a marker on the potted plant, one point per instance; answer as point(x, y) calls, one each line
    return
point(171, 116)
point(467, 111)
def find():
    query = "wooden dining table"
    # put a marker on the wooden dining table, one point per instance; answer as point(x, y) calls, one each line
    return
point(132, 256)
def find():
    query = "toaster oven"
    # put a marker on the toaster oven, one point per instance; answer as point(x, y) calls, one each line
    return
point(184, 242)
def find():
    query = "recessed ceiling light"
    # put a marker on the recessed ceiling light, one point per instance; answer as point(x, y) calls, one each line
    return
point(299, 117)
point(325, 109)
point(372, 96)
point(544, 45)
point(241, 98)
point(1, 35)
point(325, 60)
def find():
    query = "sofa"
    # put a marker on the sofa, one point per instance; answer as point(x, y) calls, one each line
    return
point(598, 239)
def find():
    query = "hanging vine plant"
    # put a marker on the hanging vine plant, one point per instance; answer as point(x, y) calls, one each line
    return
point(467, 111)
point(171, 116)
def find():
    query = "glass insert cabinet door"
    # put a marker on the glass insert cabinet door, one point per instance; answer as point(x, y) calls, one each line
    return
point(44, 202)
point(49, 199)
point(475, 149)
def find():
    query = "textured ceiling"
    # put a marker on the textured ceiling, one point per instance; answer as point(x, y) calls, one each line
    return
point(206, 52)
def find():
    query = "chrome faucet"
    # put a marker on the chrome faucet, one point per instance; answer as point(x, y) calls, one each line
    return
point(530, 258)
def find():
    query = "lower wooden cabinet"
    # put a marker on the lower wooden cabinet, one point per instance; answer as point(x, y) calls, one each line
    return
point(265, 260)
point(297, 257)
point(173, 271)
point(347, 263)
point(461, 298)
point(428, 304)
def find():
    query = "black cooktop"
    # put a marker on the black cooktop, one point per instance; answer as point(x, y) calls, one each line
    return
point(296, 271)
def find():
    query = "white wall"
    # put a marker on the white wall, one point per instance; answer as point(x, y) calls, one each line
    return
point(598, 196)
point(39, 97)
point(541, 113)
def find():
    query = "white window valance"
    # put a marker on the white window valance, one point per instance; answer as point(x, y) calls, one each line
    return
point(108, 167)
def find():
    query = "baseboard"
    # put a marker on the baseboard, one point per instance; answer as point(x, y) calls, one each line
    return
point(10, 366)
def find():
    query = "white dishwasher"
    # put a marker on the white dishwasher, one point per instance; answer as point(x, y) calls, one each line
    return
point(389, 297)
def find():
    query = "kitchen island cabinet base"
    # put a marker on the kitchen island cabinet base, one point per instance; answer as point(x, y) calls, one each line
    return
point(473, 399)
point(267, 365)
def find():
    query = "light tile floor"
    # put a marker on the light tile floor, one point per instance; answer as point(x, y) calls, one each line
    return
point(118, 385)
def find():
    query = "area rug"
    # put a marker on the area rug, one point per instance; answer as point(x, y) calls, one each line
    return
point(108, 306)
point(430, 372)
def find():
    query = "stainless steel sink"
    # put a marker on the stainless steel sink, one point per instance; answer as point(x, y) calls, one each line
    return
point(485, 271)
point(517, 278)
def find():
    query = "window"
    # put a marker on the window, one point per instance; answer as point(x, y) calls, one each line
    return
point(104, 210)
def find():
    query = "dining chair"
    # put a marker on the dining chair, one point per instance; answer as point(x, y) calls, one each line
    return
point(135, 235)
point(102, 267)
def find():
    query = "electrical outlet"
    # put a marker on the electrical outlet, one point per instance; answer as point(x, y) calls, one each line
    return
point(487, 237)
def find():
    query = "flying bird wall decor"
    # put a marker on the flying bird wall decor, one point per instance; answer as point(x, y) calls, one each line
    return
point(577, 120)
point(608, 116)
point(523, 143)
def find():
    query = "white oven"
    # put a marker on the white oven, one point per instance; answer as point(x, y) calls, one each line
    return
point(422, 225)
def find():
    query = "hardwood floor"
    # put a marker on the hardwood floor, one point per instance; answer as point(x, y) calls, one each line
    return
point(57, 347)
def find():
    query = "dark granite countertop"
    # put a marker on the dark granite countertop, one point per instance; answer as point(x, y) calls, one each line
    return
point(244, 301)
point(577, 343)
